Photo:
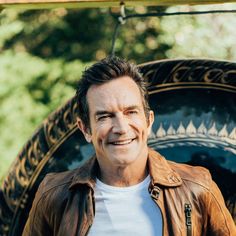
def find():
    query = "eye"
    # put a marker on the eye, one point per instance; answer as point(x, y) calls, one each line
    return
point(103, 117)
point(132, 112)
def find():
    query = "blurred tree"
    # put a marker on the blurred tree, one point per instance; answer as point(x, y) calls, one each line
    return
point(30, 88)
point(82, 34)
point(43, 53)
point(209, 36)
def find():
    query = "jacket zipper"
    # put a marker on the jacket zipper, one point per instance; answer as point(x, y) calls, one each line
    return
point(188, 211)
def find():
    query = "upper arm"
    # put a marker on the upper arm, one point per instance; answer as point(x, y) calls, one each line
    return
point(37, 222)
point(220, 221)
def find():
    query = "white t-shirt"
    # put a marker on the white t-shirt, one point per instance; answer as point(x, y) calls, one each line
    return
point(125, 211)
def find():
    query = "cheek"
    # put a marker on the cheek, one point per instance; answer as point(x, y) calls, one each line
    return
point(101, 132)
point(140, 125)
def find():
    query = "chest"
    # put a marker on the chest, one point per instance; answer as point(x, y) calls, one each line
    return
point(126, 213)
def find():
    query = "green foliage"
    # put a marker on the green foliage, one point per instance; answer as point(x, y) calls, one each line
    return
point(30, 89)
point(205, 36)
point(44, 52)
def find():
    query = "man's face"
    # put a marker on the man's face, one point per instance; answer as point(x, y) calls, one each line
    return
point(118, 125)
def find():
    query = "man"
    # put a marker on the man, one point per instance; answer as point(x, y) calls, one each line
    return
point(126, 188)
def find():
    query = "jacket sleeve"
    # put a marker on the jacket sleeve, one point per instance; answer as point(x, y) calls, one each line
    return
point(37, 223)
point(220, 221)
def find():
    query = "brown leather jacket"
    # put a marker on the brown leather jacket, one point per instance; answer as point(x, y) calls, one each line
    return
point(190, 202)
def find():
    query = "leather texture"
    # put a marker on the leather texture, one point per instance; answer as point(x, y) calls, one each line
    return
point(64, 203)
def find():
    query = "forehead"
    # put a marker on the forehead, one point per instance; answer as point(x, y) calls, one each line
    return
point(115, 94)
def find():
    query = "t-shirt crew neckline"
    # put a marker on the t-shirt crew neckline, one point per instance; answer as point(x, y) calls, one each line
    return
point(143, 184)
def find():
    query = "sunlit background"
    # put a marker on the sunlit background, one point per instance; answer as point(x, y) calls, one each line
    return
point(43, 53)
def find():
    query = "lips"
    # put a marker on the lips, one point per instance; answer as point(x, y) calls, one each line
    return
point(121, 142)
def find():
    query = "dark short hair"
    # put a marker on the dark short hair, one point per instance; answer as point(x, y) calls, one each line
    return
point(104, 71)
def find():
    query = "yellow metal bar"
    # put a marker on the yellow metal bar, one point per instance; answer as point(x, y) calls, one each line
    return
point(37, 4)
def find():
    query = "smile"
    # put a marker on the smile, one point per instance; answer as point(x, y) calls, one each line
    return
point(122, 142)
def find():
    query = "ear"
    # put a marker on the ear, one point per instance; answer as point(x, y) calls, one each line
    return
point(150, 121)
point(86, 132)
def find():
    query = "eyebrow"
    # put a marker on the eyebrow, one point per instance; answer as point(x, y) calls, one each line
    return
point(103, 112)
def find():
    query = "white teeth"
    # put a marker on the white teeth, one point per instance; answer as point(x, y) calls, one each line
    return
point(122, 142)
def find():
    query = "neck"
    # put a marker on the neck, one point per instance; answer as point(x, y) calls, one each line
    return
point(123, 176)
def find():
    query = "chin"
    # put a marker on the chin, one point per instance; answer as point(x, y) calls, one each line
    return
point(123, 161)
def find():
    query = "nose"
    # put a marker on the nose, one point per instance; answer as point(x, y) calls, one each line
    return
point(120, 124)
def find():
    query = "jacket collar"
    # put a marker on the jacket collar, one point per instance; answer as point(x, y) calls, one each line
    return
point(86, 174)
point(160, 171)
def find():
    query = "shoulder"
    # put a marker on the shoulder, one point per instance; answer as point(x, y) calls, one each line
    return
point(169, 173)
point(54, 188)
point(57, 180)
point(60, 185)
point(192, 174)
